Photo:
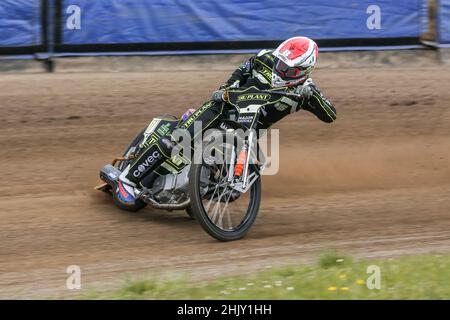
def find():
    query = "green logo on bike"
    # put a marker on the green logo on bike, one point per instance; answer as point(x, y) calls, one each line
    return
point(253, 96)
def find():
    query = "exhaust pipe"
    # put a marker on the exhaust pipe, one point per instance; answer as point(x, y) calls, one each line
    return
point(170, 207)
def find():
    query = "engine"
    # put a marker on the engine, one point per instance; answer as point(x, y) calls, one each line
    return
point(172, 188)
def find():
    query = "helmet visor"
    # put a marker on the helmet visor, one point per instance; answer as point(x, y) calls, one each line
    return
point(289, 73)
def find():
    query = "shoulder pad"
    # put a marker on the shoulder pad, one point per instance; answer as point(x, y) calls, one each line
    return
point(263, 52)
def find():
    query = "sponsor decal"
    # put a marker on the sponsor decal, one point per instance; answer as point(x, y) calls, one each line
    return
point(146, 164)
point(163, 129)
point(122, 191)
point(266, 73)
point(245, 119)
point(195, 115)
point(112, 175)
point(253, 96)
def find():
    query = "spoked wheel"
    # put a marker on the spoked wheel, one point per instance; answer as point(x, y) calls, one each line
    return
point(225, 213)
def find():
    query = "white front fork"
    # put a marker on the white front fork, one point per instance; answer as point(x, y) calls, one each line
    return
point(247, 160)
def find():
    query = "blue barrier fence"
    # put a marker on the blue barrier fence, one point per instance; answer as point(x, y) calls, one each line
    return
point(128, 21)
point(165, 26)
point(21, 24)
point(443, 22)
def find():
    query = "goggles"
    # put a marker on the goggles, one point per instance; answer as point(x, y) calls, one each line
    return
point(289, 73)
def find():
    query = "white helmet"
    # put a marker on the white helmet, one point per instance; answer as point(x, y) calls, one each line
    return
point(295, 59)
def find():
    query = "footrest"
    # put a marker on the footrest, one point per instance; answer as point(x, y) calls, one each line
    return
point(103, 187)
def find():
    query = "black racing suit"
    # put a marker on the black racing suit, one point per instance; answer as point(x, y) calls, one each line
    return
point(257, 71)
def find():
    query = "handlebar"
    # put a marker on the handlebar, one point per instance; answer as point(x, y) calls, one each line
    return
point(226, 95)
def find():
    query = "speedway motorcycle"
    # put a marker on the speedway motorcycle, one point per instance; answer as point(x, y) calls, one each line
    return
point(222, 190)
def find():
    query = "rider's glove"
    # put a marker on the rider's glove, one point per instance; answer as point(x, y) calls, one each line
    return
point(219, 95)
point(306, 89)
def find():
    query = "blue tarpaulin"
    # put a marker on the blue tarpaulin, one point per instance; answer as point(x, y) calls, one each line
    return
point(156, 21)
point(443, 22)
point(118, 25)
point(20, 23)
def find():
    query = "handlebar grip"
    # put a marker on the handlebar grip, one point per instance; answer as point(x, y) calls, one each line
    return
point(225, 96)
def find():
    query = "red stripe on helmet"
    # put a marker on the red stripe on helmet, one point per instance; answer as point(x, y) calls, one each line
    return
point(296, 47)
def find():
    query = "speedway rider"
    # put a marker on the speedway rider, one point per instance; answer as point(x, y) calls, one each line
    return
point(287, 67)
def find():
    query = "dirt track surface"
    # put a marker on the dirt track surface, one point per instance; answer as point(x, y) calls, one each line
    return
point(375, 183)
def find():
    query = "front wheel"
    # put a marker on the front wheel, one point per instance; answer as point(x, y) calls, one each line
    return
point(224, 213)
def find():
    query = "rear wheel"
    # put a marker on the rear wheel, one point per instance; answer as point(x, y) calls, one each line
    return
point(224, 213)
